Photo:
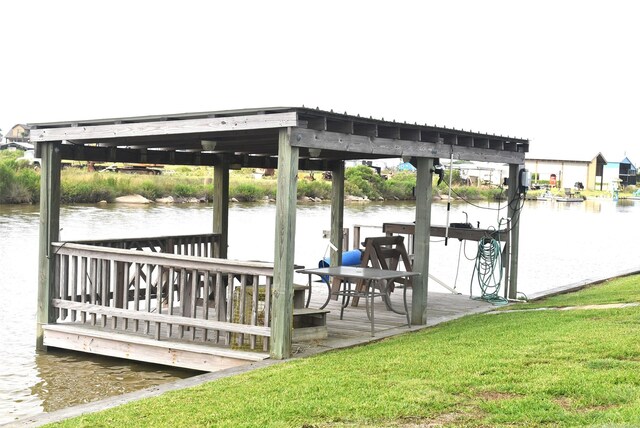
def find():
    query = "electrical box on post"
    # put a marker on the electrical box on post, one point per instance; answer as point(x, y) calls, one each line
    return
point(524, 180)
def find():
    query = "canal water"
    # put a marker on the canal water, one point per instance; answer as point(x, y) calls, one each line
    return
point(560, 243)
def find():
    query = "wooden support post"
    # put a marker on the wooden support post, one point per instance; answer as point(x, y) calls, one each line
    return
point(49, 232)
point(356, 236)
point(337, 214)
point(282, 314)
point(424, 195)
point(221, 207)
point(515, 205)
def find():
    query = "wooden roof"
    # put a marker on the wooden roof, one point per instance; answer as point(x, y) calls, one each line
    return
point(249, 137)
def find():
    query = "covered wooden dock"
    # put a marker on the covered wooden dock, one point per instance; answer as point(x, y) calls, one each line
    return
point(177, 299)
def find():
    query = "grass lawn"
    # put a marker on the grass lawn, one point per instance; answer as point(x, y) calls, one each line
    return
point(619, 290)
point(553, 368)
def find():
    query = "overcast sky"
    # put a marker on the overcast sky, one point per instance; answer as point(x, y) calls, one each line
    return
point(564, 74)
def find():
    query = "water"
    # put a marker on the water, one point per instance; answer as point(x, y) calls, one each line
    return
point(559, 244)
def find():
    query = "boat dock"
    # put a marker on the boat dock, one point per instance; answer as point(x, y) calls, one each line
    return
point(178, 300)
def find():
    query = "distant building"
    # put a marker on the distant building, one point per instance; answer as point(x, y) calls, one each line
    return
point(16, 146)
point(479, 173)
point(17, 139)
point(19, 133)
point(623, 172)
point(567, 173)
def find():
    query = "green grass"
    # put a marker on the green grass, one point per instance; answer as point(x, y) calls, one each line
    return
point(620, 290)
point(19, 183)
point(550, 368)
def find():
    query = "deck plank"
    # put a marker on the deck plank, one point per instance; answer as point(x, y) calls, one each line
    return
point(119, 345)
point(354, 328)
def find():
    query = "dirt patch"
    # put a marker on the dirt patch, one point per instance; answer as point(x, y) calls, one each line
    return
point(565, 402)
point(601, 408)
point(632, 358)
point(440, 420)
point(450, 419)
point(457, 418)
point(496, 395)
point(537, 362)
point(569, 405)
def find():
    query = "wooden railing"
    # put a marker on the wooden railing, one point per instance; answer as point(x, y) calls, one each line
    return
point(201, 245)
point(166, 296)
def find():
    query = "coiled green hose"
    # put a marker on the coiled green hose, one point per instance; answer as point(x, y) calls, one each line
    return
point(488, 267)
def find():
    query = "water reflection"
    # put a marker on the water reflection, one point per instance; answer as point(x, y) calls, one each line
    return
point(623, 203)
point(68, 379)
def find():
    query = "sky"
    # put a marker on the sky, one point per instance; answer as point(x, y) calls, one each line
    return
point(563, 74)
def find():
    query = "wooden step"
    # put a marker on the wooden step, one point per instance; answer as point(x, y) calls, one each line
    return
point(309, 311)
point(299, 295)
point(309, 324)
point(128, 346)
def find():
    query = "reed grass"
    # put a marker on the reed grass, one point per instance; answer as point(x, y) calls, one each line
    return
point(21, 184)
point(549, 368)
point(18, 183)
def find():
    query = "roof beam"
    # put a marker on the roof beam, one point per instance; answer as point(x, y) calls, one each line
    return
point(116, 154)
point(395, 147)
point(178, 127)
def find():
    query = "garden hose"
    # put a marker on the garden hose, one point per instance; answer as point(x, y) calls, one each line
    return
point(488, 267)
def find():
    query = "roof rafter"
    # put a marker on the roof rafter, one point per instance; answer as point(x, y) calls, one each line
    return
point(255, 132)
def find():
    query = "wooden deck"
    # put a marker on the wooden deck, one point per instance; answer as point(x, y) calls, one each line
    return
point(165, 300)
point(355, 327)
point(207, 355)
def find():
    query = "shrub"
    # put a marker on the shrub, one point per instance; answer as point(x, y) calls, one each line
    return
point(86, 191)
point(456, 179)
point(314, 189)
point(8, 157)
point(150, 190)
point(185, 170)
point(7, 177)
point(497, 194)
point(17, 185)
point(246, 192)
point(185, 190)
point(364, 181)
point(207, 190)
point(399, 186)
point(123, 186)
point(29, 181)
point(468, 192)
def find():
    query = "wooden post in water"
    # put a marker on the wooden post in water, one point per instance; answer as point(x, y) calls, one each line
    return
point(49, 152)
point(221, 206)
point(424, 195)
point(337, 213)
point(513, 212)
point(282, 314)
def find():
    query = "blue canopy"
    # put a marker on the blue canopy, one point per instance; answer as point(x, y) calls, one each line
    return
point(406, 166)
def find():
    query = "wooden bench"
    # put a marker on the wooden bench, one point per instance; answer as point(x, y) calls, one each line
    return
point(385, 252)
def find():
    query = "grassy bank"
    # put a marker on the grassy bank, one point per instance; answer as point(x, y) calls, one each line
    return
point(19, 183)
point(525, 368)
